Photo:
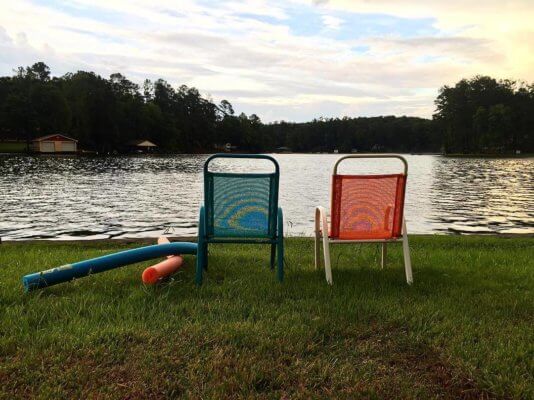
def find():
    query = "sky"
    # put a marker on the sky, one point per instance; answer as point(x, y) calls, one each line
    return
point(291, 60)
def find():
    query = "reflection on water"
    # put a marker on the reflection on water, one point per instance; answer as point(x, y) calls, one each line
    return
point(82, 197)
point(484, 196)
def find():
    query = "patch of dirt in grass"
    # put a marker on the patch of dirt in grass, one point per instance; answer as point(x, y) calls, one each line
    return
point(427, 369)
point(379, 363)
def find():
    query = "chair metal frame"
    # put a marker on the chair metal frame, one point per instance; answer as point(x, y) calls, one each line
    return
point(276, 236)
point(321, 226)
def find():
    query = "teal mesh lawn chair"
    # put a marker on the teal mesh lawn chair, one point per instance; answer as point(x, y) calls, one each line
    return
point(240, 208)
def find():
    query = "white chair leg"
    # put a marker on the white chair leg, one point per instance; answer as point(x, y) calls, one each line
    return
point(406, 251)
point(317, 237)
point(384, 254)
point(326, 249)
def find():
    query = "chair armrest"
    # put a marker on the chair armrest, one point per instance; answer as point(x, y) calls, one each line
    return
point(280, 224)
point(202, 222)
point(321, 220)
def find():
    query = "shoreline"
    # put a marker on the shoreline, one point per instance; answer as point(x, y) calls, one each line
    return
point(93, 154)
point(152, 240)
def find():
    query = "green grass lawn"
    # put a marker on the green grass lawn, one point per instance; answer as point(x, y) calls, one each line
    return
point(463, 330)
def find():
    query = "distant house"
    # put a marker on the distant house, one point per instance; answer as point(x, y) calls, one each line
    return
point(141, 146)
point(54, 144)
point(227, 147)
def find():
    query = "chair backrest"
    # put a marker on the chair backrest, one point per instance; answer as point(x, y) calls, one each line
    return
point(241, 205)
point(366, 207)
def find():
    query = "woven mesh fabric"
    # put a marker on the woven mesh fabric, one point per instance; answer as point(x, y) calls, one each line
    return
point(367, 206)
point(241, 206)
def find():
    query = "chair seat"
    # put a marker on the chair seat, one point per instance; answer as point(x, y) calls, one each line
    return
point(240, 239)
point(378, 234)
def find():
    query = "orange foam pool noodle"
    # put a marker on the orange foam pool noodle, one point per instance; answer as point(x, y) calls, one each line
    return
point(161, 270)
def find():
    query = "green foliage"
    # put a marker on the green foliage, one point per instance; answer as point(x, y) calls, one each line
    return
point(400, 134)
point(483, 115)
point(105, 114)
point(463, 330)
point(474, 116)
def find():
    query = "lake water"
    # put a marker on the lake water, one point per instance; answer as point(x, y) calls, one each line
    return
point(142, 196)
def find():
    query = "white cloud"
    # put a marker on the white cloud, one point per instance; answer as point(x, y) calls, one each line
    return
point(499, 23)
point(332, 22)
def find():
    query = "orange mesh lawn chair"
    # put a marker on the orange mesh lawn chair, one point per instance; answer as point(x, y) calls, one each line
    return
point(364, 209)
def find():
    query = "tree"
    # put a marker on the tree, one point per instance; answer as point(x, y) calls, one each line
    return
point(51, 112)
point(226, 108)
point(483, 114)
point(478, 114)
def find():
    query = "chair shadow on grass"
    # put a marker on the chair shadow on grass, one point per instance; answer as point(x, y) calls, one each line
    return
point(354, 269)
point(304, 287)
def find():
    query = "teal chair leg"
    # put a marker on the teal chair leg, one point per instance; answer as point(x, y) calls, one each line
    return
point(205, 264)
point(202, 259)
point(200, 262)
point(280, 244)
point(273, 254)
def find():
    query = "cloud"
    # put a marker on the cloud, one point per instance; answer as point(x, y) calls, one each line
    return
point(332, 22)
point(458, 48)
point(495, 22)
point(292, 60)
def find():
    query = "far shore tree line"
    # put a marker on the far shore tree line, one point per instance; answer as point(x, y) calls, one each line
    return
point(479, 115)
